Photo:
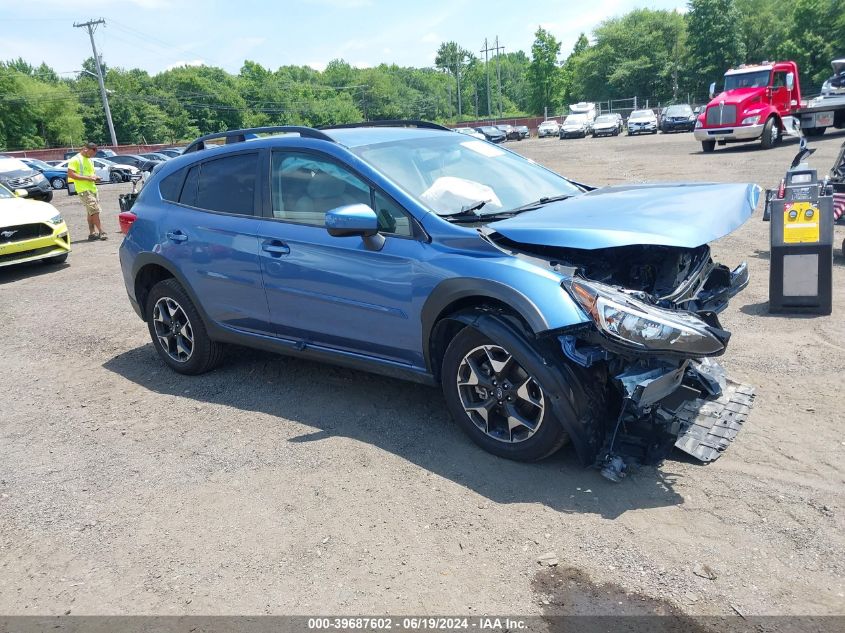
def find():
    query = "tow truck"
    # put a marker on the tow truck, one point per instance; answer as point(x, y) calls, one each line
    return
point(757, 103)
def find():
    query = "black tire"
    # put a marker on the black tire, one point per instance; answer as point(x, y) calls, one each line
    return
point(771, 134)
point(57, 259)
point(115, 177)
point(58, 183)
point(708, 146)
point(47, 197)
point(549, 435)
point(205, 354)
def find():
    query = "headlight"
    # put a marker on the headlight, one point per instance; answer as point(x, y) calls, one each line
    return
point(56, 219)
point(39, 178)
point(698, 124)
point(642, 326)
point(751, 120)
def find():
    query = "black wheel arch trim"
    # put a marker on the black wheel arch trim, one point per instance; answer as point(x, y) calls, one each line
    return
point(453, 290)
point(144, 259)
point(553, 371)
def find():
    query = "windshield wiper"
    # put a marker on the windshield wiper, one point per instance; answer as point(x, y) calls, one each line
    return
point(539, 203)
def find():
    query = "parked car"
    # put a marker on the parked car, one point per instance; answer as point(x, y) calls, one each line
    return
point(101, 153)
point(172, 152)
point(548, 128)
point(30, 230)
point(619, 120)
point(523, 131)
point(677, 118)
point(642, 122)
point(575, 126)
point(491, 133)
point(17, 175)
point(57, 176)
point(143, 164)
point(606, 125)
point(156, 156)
point(835, 85)
point(469, 132)
point(108, 171)
point(511, 134)
point(547, 311)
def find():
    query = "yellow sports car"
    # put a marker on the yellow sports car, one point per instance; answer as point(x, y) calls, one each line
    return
point(30, 230)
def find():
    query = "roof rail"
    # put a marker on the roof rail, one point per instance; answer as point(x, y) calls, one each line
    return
point(388, 123)
point(238, 136)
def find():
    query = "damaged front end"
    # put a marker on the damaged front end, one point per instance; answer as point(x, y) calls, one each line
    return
point(655, 342)
point(653, 334)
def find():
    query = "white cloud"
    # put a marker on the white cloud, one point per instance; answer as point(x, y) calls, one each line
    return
point(430, 37)
point(321, 66)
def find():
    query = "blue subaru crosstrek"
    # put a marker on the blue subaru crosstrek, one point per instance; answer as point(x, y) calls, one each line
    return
point(547, 310)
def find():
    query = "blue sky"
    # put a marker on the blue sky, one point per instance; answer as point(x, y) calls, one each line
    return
point(158, 34)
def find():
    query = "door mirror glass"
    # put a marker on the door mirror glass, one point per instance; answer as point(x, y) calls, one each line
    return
point(352, 219)
point(790, 81)
point(713, 90)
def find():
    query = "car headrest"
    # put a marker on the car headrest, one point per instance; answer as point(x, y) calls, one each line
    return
point(322, 185)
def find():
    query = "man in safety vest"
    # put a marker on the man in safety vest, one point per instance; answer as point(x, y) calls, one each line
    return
point(80, 172)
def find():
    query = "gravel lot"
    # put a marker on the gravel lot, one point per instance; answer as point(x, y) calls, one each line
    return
point(281, 486)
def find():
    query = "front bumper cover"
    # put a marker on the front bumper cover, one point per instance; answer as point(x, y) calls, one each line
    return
point(53, 245)
point(694, 407)
point(735, 133)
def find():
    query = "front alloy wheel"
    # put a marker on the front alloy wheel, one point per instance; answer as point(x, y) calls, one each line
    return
point(498, 398)
point(504, 401)
point(173, 329)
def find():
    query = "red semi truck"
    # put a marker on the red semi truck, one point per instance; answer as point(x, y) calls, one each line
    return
point(761, 103)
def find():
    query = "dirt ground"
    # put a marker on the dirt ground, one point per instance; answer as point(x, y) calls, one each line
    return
point(280, 486)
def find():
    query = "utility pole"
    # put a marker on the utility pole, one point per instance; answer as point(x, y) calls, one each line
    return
point(91, 25)
point(485, 50)
point(499, 74)
point(458, 63)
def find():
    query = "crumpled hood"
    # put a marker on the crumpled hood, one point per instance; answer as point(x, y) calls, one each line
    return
point(14, 211)
point(667, 214)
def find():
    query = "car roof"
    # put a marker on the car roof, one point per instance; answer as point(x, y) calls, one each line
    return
point(357, 136)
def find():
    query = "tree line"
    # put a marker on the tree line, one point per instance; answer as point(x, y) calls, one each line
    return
point(665, 56)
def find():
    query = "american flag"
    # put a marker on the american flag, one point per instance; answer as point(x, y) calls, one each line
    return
point(838, 205)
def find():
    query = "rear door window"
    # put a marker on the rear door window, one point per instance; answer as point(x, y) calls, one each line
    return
point(228, 184)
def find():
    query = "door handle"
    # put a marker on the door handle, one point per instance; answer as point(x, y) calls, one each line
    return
point(177, 236)
point(275, 247)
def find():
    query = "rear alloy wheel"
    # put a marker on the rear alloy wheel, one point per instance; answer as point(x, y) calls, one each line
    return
point(58, 183)
point(771, 134)
point(497, 400)
point(178, 332)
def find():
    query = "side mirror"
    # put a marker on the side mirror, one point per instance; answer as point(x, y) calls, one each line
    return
point(713, 90)
point(352, 219)
point(21, 193)
point(790, 81)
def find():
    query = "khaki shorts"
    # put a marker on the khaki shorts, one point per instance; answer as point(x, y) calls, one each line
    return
point(91, 202)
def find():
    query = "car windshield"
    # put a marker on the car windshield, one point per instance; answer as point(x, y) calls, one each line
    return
point(489, 129)
point(678, 110)
point(449, 174)
point(548, 123)
point(576, 118)
point(757, 79)
point(642, 114)
point(606, 118)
